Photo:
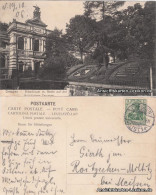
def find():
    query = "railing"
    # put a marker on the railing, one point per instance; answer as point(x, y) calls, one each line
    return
point(25, 52)
point(29, 53)
point(37, 53)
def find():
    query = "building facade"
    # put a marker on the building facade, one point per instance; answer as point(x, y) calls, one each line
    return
point(25, 46)
point(4, 51)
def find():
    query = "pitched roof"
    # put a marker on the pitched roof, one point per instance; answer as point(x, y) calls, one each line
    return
point(36, 21)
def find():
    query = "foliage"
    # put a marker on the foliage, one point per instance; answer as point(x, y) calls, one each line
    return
point(103, 12)
point(98, 9)
point(3, 26)
point(27, 73)
point(3, 30)
point(79, 34)
point(125, 34)
point(100, 32)
point(136, 31)
point(57, 57)
point(148, 38)
point(91, 60)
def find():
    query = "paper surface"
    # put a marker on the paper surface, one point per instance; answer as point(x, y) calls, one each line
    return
point(71, 145)
point(69, 46)
point(77, 145)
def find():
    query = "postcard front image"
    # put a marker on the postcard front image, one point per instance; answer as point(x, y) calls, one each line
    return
point(55, 141)
point(84, 48)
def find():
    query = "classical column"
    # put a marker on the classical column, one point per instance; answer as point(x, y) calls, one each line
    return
point(25, 43)
point(43, 45)
point(32, 65)
point(31, 42)
point(6, 61)
point(24, 66)
point(28, 43)
point(40, 44)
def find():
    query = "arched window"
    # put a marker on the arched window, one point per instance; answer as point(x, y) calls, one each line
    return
point(36, 45)
point(20, 43)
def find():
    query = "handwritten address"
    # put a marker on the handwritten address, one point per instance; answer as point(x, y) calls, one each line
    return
point(104, 161)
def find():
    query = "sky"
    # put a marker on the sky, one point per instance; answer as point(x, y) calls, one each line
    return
point(53, 13)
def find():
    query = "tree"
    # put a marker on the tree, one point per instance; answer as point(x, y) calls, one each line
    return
point(79, 34)
point(57, 56)
point(3, 30)
point(98, 9)
point(103, 12)
point(55, 44)
point(136, 31)
point(148, 31)
point(3, 27)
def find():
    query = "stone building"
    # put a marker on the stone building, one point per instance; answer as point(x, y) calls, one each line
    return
point(26, 44)
point(4, 50)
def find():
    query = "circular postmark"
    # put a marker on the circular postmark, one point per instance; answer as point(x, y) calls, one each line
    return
point(139, 118)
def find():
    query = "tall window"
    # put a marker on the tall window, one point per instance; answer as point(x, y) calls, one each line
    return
point(20, 43)
point(36, 45)
point(2, 61)
point(21, 64)
point(30, 46)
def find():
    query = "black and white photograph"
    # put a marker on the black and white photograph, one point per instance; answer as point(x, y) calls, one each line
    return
point(90, 48)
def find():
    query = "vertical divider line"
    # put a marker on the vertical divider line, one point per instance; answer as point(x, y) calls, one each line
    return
point(66, 160)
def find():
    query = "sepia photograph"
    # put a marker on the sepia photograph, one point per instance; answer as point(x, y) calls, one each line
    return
point(90, 48)
point(77, 97)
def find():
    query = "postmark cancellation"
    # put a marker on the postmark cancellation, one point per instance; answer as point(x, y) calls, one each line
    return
point(139, 117)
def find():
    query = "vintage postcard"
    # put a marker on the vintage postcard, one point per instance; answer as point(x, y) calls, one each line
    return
point(82, 48)
point(69, 145)
point(77, 146)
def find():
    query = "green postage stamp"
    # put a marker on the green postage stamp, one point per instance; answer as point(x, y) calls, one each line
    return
point(139, 117)
point(135, 111)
